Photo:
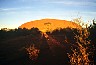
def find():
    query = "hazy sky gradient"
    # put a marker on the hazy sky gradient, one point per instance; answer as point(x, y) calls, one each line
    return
point(13, 13)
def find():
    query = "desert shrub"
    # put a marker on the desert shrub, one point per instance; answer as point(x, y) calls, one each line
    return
point(32, 52)
point(81, 55)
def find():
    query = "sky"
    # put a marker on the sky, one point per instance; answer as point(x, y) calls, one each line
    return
point(13, 13)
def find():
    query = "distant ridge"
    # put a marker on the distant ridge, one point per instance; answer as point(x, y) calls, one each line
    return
point(49, 24)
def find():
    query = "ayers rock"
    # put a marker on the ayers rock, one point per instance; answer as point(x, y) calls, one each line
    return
point(49, 24)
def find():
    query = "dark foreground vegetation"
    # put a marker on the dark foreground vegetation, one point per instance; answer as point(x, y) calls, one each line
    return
point(31, 47)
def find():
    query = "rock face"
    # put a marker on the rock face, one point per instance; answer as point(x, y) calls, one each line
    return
point(49, 24)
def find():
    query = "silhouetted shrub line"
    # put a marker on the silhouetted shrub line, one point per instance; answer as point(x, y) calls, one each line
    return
point(30, 47)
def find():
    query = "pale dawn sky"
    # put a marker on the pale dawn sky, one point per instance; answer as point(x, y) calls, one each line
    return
point(13, 13)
